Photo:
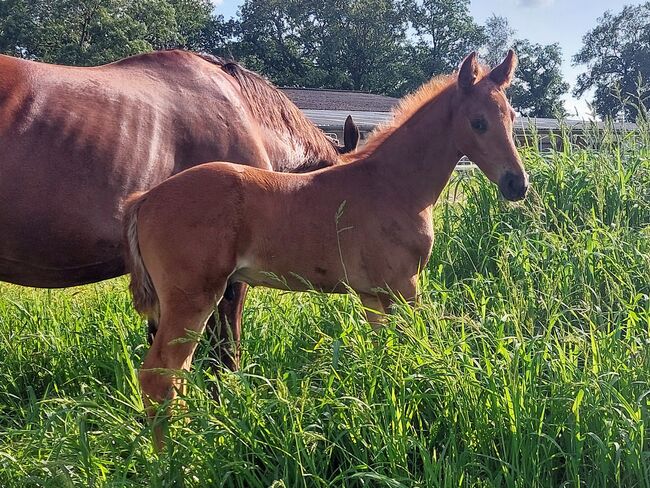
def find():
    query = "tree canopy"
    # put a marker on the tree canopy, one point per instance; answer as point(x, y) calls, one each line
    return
point(381, 46)
point(348, 44)
point(87, 32)
point(617, 55)
point(499, 37)
point(538, 85)
point(445, 34)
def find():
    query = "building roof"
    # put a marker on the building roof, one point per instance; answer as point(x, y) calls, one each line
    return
point(328, 109)
point(322, 99)
point(333, 120)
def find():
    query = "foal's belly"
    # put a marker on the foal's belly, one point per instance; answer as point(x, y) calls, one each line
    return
point(287, 281)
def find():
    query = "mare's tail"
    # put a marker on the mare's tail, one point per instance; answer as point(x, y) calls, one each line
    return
point(144, 294)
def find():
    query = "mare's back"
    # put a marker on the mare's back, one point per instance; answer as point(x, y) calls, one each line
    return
point(108, 112)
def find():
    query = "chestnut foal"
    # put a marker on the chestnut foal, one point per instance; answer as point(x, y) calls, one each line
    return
point(365, 225)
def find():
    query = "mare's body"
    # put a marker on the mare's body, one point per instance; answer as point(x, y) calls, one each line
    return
point(77, 141)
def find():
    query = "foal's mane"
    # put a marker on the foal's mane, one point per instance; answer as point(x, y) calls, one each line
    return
point(405, 109)
point(272, 107)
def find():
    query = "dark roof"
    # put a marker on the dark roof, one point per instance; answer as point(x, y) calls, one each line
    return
point(317, 99)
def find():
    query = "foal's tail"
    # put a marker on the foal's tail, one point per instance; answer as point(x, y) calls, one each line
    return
point(144, 294)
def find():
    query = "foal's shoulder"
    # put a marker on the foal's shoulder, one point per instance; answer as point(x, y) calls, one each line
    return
point(226, 173)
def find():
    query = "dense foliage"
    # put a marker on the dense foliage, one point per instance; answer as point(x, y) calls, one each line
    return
point(617, 55)
point(538, 88)
point(92, 32)
point(381, 46)
point(525, 363)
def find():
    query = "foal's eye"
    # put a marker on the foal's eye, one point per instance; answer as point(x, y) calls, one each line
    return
point(479, 125)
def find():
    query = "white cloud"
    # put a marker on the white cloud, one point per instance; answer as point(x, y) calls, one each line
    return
point(216, 3)
point(535, 3)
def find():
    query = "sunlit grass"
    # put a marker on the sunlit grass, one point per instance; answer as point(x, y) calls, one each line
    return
point(525, 363)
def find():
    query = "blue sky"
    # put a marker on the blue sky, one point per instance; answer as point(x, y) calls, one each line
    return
point(540, 21)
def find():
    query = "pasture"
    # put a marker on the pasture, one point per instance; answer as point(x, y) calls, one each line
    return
point(526, 362)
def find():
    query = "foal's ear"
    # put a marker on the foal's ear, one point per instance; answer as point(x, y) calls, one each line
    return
point(502, 75)
point(350, 135)
point(468, 73)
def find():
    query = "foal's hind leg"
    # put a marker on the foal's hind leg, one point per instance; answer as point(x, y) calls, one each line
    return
point(225, 330)
point(182, 320)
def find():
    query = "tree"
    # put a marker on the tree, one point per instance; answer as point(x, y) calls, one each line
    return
point(538, 85)
point(617, 55)
point(446, 33)
point(498, 39)
point(218, 36)
point(350, 44)
point(276, 38)
point(363, 44)
point(84, 32)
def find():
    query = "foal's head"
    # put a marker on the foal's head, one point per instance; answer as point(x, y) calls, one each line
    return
point(482, 124)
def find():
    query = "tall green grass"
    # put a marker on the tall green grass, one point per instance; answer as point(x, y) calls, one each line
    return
point(524, 364)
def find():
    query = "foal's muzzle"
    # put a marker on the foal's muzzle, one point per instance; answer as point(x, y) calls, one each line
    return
point(514, 186)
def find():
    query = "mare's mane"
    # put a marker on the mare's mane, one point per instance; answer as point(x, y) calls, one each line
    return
point(275, 111)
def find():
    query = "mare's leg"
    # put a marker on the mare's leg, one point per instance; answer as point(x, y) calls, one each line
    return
point(152, 327)
point(225, 332)
point(182, 319)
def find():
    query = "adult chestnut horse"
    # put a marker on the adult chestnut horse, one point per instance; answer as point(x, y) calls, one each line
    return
point(366, 225)
point(76, 141)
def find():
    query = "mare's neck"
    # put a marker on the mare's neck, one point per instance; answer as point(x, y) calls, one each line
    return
point(418, 157)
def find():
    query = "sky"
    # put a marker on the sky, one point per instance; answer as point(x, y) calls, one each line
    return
point(540, 21)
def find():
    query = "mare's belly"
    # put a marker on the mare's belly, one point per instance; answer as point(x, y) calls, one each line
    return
point(50, 246)
point(42, 275)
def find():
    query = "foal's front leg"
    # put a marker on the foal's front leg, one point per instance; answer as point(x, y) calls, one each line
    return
point(379, 304)
point(374, 309)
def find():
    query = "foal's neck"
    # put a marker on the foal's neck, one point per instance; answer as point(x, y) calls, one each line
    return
point(418, 157)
